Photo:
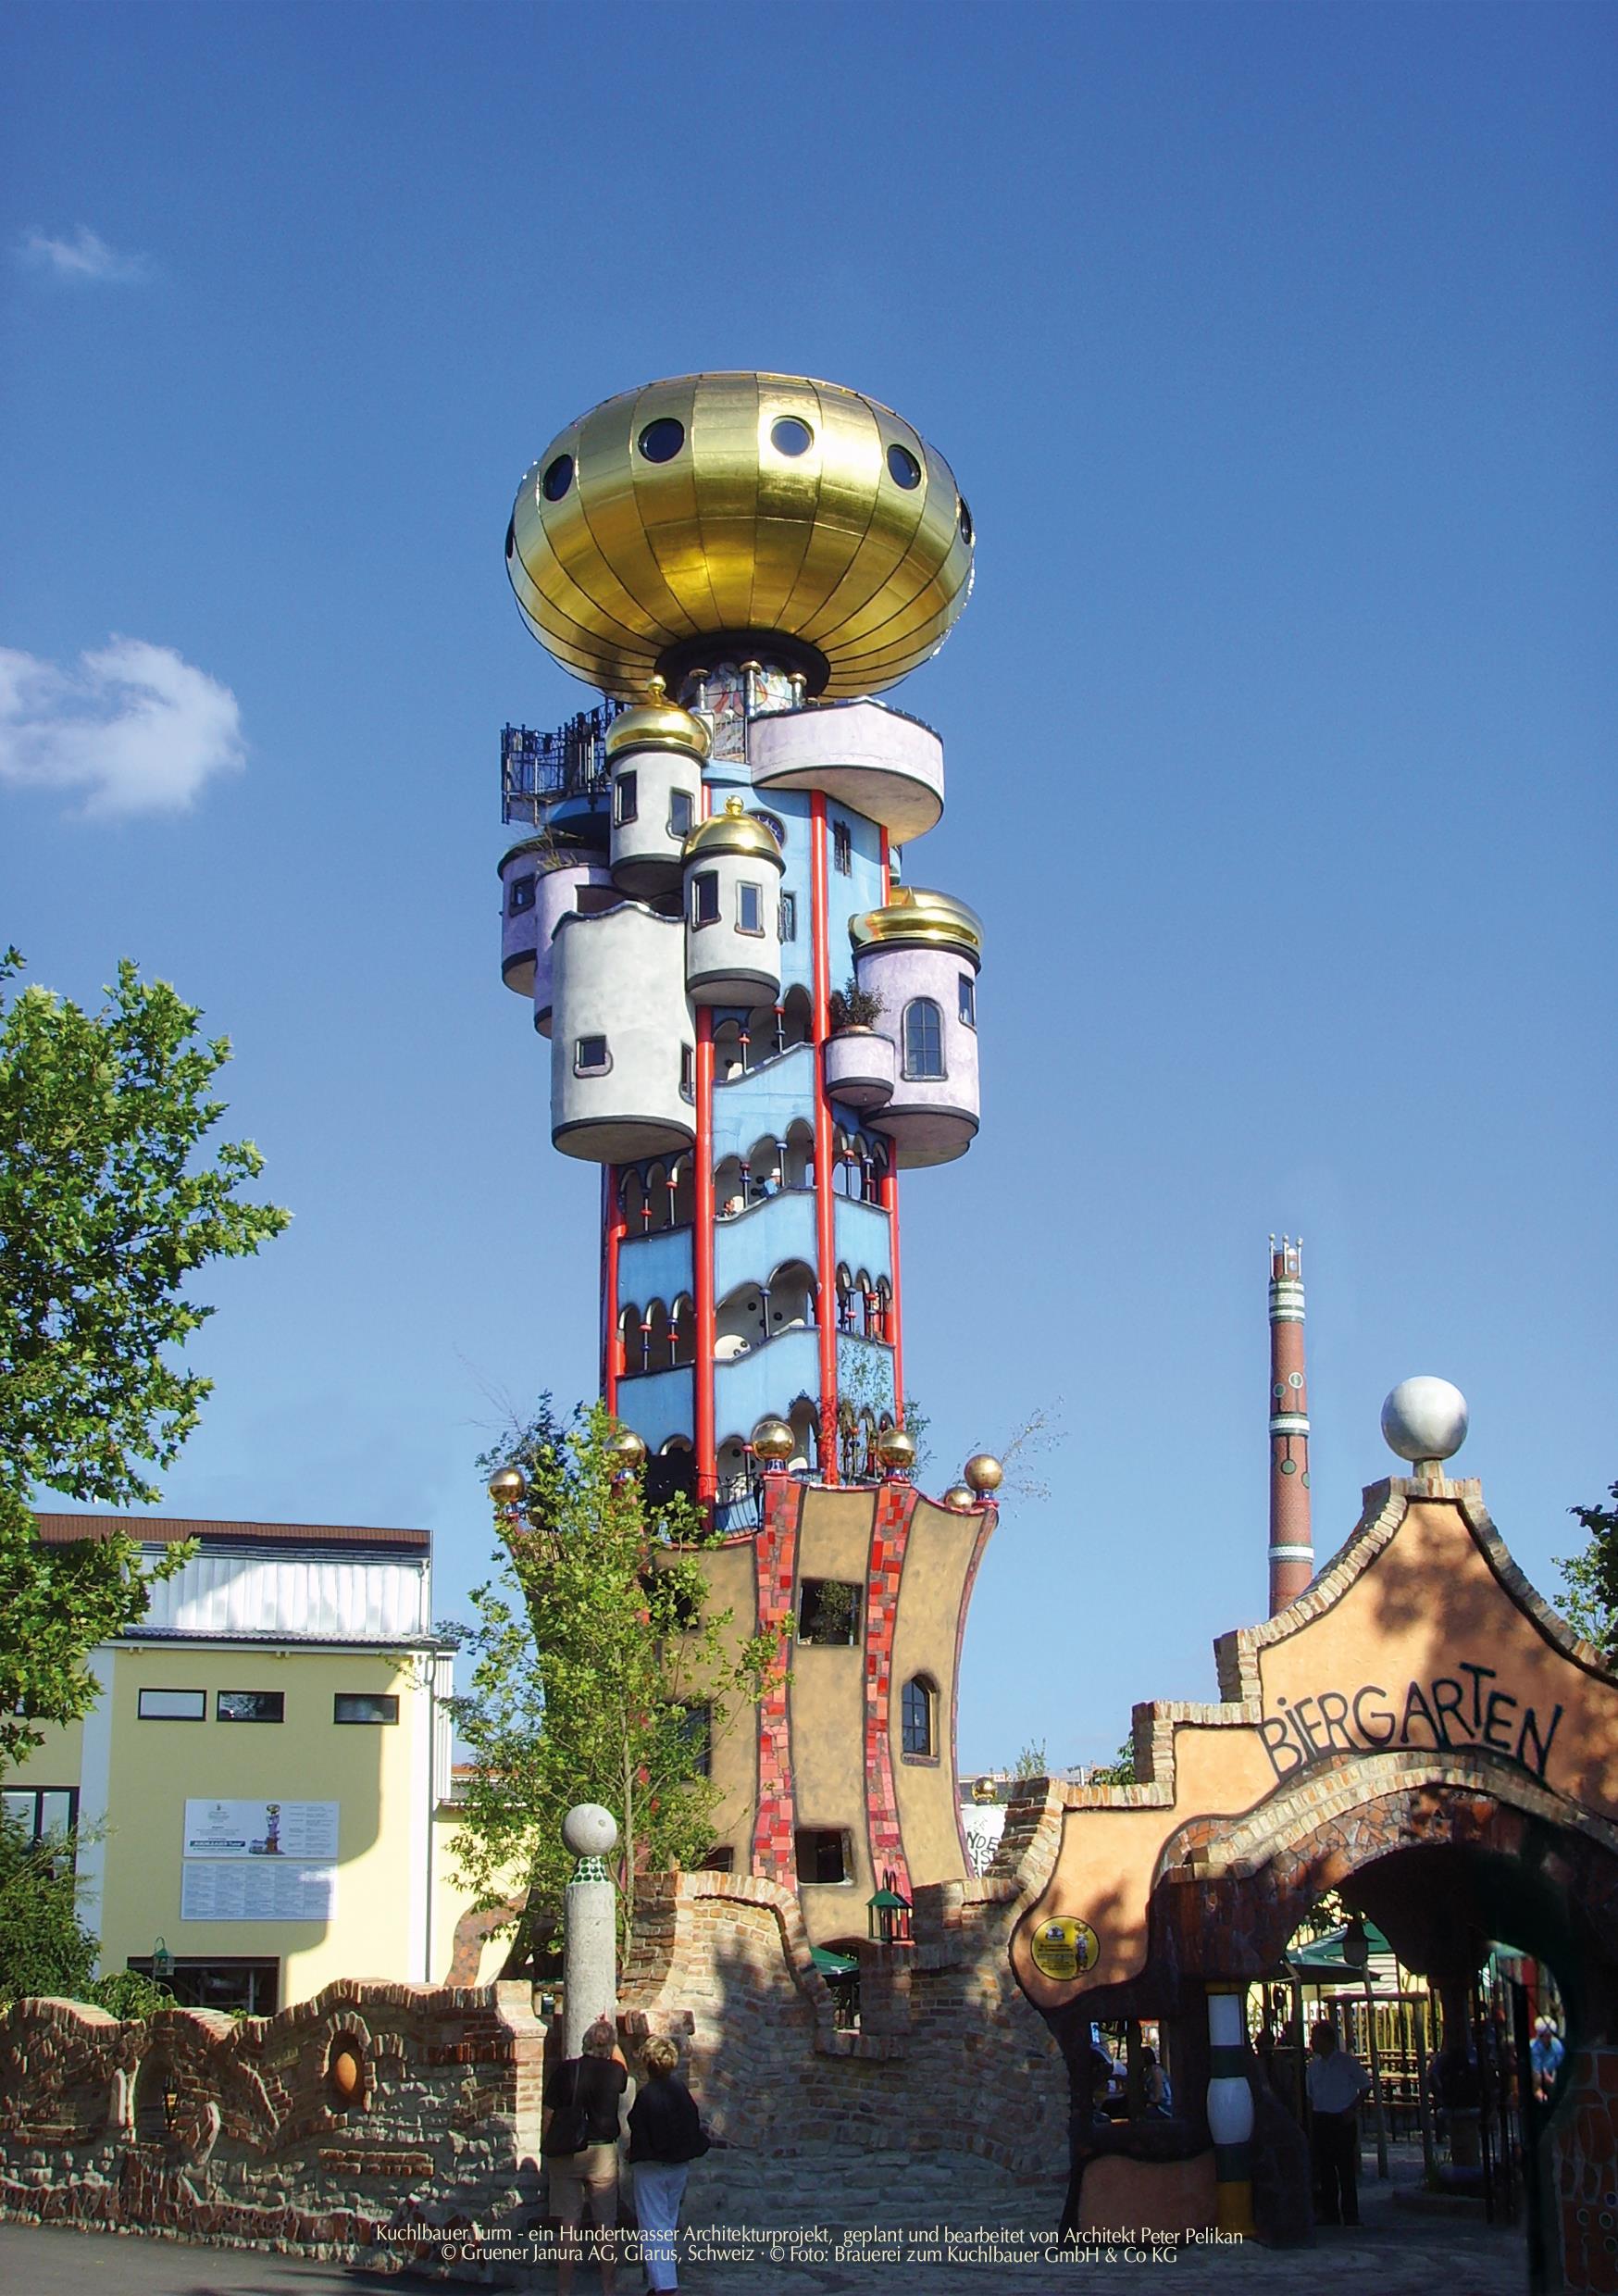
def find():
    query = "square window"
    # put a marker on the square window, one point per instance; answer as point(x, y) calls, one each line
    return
point(521, 895)
point(829, 1614)
point(625, 803)
point(750, 908)
point(250, 1706)
point(721, 1859)
point(789, 919)
point(364, 1706)
point(679, 812)
point(705, 897)
point(968, 1004)
point(821, 1854)
point(172, 1705)
point(591, 1056)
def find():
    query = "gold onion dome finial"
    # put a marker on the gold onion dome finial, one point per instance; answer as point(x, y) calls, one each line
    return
point(742, 514)
point(658, 723)
point(918, 919)
point(733, 830)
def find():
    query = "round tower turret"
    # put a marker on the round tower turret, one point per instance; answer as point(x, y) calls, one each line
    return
point(732, 898)
point(919, 954)
point(656, 754)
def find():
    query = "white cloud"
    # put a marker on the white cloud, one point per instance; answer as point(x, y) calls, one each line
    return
point(134, 727)
point(85, 257)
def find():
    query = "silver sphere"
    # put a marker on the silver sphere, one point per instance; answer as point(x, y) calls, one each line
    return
point(1425, 1418)
point(589, 1830)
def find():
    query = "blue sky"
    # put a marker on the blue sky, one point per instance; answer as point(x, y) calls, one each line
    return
point(1273, 347)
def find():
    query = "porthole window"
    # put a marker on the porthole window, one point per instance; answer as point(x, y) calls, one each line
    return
point(964, 521)
point(558, 477)
point(904, 465)
point(511, 539)
point(661, 440)
point(776, 829)
point(788, 436)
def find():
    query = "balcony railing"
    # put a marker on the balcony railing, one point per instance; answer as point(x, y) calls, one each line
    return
point(537, 769)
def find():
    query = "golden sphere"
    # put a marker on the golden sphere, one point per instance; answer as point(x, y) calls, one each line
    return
point(984, 1472)
point(734, 829)
point(627, 1450)
point(773, 1441)
point(740, 515)
point(509, 1488)
point(895, 1448)
point(959, 1497)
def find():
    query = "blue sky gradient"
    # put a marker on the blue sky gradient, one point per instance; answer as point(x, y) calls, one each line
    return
point(1274, 349)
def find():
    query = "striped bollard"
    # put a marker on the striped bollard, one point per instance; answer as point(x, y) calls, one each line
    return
point(1230, 2106)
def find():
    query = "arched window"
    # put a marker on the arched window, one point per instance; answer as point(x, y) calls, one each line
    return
point(919, 1719)
point(924, 1038)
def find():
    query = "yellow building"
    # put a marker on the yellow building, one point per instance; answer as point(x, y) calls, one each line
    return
point(261, 1787)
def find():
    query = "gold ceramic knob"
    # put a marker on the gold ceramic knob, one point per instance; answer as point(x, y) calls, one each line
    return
point(509, 1488)
point(984, 1472)
point(959, 1497)
point(626, 1449)
point(896, 1449)
point(773, 1441)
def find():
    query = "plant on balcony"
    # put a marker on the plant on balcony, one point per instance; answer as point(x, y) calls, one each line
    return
point(852, 1007)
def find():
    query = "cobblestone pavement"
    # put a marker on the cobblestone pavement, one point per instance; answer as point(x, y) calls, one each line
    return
point(992, 2232)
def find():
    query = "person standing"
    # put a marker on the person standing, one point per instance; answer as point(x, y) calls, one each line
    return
point(666, 2136)
point(1337, 2083)
point(1545, 2055)
point(578, 2141)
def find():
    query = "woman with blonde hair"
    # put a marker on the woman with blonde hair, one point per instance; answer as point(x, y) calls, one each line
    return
point(578, 2140)
point(666, 2136)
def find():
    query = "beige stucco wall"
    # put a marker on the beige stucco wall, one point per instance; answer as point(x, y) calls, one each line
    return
point(733, 1586)
point(936, 1561)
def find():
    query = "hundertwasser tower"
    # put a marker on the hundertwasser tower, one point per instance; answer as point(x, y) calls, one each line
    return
point(757, 1020)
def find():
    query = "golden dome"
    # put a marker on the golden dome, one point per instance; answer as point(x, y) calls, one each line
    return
point(710, 515)
point(915, 917)
point(658, 724)
point(734, 831)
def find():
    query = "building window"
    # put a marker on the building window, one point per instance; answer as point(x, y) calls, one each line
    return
point(688, 1072)
point(968, 1000)
point(750, 908)
point(789, 916)
point(918, 1706)
point(44, 1812)
point(219, 1982)
point(697, 1729)
point(721, 1859)
point(679, 812)
point(705, 897)
point(829, 1613)
point(625, 803)
point(822, 1855)
point(842, 848)
point(250, 1706)
point(521, 895)
point(776, 827)
point(364, 1706)
point(172, 1705)
point(923, 1039)
point(591, 1056)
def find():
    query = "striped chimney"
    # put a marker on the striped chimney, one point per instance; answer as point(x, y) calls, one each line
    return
point(1291, 1542)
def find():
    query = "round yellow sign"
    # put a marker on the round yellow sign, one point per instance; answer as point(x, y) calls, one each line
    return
point(1063, 1948)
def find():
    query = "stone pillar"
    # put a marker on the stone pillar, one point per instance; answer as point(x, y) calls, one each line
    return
point(590, 1926)
point(1230, 2110)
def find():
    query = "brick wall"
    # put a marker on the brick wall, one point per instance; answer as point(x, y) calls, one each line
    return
point(231, 2130)
point(950, 2055)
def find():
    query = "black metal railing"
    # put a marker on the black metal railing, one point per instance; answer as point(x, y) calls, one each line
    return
point(537, 769)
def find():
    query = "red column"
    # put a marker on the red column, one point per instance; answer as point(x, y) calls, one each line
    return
point(1291, 1555)
point(612, 1225)
point(889, 1202)
point(702, 1261)
point(824, 1215)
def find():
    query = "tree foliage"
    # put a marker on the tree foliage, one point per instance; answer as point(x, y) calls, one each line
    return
point(109, 1204)
point(1590, 1578)
point(597, 1675)
point(1120, 1770)
point(44, 1948)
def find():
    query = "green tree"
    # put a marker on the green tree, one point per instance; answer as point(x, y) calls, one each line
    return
point(44, 1948)
point(597, 1673)
point(109, 1204)
point(1032, 1762)
point(1590, 1576)
point(1120, 1770)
